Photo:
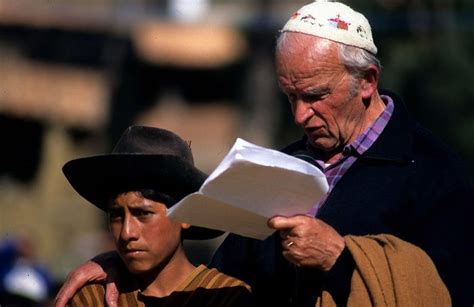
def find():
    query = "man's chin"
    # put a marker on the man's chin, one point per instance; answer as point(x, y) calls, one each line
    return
point(323, 144)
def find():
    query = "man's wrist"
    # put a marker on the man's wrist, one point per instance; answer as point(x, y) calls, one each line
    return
point(338, 278)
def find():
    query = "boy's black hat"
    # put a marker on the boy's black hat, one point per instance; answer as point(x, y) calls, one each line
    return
point(143, 158)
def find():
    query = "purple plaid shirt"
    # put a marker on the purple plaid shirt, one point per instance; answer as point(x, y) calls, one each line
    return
point(335, 171)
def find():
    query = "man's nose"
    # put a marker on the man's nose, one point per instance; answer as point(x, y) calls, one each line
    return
point(302, 112)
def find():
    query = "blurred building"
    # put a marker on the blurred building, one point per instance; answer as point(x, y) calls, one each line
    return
point(74, 74)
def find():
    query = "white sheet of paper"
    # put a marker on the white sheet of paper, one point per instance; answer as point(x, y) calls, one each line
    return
point(249, 186)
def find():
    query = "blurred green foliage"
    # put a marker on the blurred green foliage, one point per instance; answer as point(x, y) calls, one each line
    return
point(427, 51)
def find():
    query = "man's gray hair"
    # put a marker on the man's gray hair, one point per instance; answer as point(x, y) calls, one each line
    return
point(355, 59)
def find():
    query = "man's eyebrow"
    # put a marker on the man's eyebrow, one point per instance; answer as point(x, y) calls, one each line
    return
point(309, 91)
point(317, 91)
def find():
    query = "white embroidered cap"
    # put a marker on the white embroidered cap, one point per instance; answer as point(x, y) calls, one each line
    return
point(334, 21)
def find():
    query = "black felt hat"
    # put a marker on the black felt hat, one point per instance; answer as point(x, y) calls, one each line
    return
point(143, 158)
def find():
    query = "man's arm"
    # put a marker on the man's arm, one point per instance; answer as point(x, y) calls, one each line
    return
point(101, 269)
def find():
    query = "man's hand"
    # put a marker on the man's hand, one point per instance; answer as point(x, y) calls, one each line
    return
point(100, 269)
point(308, 242)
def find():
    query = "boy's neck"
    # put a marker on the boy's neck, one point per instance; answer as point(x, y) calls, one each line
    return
point(166, 279)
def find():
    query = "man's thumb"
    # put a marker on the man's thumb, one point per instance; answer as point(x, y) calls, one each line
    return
point(111, 294)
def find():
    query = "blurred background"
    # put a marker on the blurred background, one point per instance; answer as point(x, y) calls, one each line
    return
point(75, 73)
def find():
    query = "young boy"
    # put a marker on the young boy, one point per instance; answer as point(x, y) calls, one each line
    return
point(148, 171)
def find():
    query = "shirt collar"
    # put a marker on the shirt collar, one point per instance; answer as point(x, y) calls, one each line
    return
point(366, 139)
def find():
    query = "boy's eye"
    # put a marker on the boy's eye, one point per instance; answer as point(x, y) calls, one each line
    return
point(114, 214)
point(142, 213)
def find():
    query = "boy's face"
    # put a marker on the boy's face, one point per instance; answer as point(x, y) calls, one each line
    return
point(144, 236)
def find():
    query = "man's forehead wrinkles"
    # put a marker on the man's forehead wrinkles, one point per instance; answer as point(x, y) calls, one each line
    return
point(302, 86)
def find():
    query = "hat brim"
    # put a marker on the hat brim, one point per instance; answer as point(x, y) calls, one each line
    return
point(95, 177)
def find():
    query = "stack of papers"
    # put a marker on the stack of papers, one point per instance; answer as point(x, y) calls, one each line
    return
point(249, 186)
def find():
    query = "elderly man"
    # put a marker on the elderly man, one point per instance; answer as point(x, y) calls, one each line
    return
point(399, 200)
point(386, 173)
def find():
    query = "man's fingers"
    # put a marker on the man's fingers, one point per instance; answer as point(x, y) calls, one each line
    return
point(111, 291)
point(89, 271)
point(63, 296)
point(281, 222)
point(74, 280)
point(111, 294)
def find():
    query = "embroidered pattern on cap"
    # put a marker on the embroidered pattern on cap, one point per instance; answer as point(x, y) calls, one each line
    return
point(339, 23)
point(335, 21)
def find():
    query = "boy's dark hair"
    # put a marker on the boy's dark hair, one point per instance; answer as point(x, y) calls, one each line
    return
point(151, 194)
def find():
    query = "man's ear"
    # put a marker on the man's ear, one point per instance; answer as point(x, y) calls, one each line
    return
point(369, 82)
point(185, 225)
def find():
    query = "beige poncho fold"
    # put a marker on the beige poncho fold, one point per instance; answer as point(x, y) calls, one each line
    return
point(391, 272)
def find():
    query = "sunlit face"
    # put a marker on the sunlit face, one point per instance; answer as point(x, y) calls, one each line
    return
point(144, 236)
point(323, 96)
